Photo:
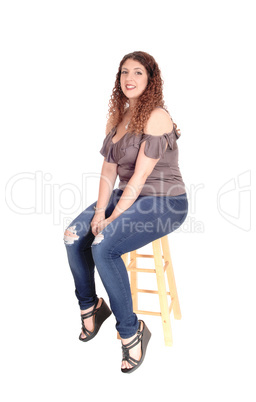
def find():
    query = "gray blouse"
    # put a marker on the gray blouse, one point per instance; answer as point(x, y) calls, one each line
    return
point(165, 179)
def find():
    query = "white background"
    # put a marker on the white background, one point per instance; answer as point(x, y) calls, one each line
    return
point(59, 60)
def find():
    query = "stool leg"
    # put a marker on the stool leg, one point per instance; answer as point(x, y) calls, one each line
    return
point(162, 292)
point(125, 258)
point(171, 278)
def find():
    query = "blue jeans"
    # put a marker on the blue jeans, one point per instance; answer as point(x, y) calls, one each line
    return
point(149, 218)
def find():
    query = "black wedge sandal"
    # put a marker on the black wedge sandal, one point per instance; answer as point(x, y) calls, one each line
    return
point(100, 315)
point(142, 336)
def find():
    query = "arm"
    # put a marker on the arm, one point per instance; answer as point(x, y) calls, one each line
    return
point(158, 123)
point(107, 181)
point(106, 185)
point(143, 168)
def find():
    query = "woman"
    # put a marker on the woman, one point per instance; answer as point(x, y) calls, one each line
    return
point(150, 202)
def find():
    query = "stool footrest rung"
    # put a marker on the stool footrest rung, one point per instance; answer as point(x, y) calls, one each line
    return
point(154, 312)
point(146, 256)
point(147, 312)
point(148, 270)
point(131, 268)
point(155, 292)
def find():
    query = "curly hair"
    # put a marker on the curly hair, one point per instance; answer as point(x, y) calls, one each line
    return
point(151, 98)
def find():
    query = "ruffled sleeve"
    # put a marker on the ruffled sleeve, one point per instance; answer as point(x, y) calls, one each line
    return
point(107, 148)
point(155, 145)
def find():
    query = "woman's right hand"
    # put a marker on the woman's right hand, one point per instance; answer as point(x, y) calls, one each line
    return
point(98, 217)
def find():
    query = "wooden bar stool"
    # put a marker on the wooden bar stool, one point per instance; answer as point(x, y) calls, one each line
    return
point(163, 264)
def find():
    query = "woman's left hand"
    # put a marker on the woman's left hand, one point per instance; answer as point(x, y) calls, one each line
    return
point(103, 224)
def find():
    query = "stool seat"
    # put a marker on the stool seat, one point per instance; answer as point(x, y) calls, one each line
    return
point(163, 268)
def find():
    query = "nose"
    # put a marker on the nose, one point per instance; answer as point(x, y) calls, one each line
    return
point(129, 76)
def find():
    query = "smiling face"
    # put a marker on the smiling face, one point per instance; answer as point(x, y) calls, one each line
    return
point(133, 79)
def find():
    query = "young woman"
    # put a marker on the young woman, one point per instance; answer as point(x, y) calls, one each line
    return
point(150, 202)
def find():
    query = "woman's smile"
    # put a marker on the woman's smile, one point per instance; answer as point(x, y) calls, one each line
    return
point(129, 87)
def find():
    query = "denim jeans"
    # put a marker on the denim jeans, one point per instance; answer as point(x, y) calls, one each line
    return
point(149, 218)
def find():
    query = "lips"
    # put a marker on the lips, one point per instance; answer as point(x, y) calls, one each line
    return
point(129, 87)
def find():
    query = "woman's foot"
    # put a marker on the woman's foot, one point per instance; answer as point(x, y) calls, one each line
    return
point(134, 352)
point(89, 323)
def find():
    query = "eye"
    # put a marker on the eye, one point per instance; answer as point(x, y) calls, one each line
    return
point(123, 72)
point(139, 72)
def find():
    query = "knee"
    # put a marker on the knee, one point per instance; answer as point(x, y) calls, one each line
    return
point(98, 239)
point(103, 247)
point(70, 235)
point(100, 247)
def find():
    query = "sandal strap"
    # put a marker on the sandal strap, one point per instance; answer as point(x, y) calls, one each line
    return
point(91, 313)
point(88, 315)
point(126, 348)
point(134, 342)
point(86, 331)
point(133, 362)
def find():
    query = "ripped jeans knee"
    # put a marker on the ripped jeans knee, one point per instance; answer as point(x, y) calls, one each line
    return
point(98, 239)
point(70, 235)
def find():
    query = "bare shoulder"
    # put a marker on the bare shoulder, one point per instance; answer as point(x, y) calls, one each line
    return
point(159, 123)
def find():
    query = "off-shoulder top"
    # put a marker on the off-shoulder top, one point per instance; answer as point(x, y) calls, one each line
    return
point(165, 179)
